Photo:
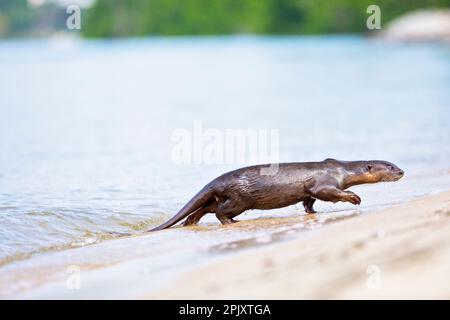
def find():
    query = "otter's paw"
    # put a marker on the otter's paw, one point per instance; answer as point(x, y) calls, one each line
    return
point(353, 198)
point(230, 221)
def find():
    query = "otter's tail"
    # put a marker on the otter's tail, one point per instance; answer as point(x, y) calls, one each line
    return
point(199, 200)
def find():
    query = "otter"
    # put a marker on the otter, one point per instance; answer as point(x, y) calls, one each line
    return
point(247, 188)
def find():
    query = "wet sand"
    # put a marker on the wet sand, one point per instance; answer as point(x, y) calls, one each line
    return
point(132, 266)
point(401, 252)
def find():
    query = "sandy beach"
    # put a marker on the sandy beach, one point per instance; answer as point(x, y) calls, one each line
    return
point(401, 252)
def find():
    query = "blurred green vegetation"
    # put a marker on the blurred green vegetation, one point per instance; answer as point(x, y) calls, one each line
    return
point(123, 18)
point(118, 18)
point(17, 19)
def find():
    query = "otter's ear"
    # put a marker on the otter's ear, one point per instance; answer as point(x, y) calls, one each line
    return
point(369, 168)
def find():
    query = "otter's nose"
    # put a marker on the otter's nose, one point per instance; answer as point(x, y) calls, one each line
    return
point(401, 172)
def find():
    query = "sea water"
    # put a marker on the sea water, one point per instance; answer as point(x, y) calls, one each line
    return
point(86, 127)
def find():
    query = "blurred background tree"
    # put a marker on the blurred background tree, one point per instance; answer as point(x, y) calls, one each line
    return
point(124, 18)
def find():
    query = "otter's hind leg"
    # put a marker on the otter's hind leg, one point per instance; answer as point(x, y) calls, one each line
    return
point(308, 205)
point(227, 210)
point(195, 217)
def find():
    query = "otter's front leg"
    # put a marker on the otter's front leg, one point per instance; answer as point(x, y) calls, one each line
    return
point(327, 190)
point(308, 205)
point(333, 194)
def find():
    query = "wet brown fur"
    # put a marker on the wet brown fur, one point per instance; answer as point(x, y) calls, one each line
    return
point(252, 188)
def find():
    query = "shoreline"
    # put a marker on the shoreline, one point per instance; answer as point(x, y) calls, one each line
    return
point(291, 257)
point(96, 237)
point(400, 252)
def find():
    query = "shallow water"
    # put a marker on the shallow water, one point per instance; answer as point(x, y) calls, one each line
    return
point(85, 127)
point(133, 267)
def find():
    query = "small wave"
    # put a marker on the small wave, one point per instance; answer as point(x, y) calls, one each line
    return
point(38, 232)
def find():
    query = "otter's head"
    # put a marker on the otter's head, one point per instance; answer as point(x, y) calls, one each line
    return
point(382, 171)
